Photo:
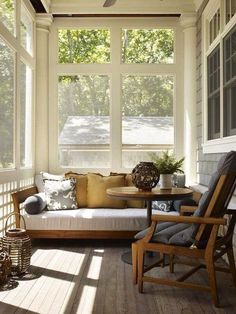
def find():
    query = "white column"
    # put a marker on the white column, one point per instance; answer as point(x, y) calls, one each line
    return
point(188, 22)
point(43, 22)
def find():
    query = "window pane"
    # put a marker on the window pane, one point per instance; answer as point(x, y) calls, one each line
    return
point(6, 106)
point(84, 45)
point(213, 81)
point(26, 116)
point(84, 122)
point(230, 9)
point(233, 7)
point(26, 30)
point(227, 11)
point(230, 83)
point(214, 117)
point(147, 116)
point(214, 26)
point(7, 14)
point(147, 46)
point(233, 103)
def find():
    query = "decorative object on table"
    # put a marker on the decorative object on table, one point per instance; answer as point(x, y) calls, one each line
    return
point(5, 267)
point(18, 245)
point(145, 176)
point(167, 165)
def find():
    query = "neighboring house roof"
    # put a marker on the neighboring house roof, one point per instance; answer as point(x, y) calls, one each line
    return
point(85, 130)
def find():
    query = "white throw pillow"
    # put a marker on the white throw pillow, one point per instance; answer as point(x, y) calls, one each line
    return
point(60, 194)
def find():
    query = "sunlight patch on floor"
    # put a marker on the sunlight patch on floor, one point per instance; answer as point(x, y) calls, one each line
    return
point(87, 300)
point(95, 267)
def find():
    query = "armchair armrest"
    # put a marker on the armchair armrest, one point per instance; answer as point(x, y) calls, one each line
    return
point(189, 219)
point(19, 197)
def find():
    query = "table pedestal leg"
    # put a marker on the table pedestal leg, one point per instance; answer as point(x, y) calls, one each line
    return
point(149, 213)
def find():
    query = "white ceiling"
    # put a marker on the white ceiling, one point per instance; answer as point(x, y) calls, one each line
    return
point(121, 6)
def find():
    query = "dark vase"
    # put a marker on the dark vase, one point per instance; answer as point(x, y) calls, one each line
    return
point(145, 176)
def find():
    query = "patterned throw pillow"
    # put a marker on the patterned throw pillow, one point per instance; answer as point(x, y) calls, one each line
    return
point(60, 194)
point(165, 206)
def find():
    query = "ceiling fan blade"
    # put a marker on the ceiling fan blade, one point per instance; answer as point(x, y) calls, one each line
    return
point(109, 3)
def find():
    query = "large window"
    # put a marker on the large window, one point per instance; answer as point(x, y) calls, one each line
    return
point(116, 87)
point(16, 85)
point(220, 68)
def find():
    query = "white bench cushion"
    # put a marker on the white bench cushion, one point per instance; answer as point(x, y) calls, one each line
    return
point(91, 219)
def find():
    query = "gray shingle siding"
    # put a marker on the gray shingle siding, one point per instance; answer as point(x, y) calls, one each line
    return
point(206, 162)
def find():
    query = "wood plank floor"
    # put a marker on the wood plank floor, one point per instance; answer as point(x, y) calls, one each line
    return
point(89, 277)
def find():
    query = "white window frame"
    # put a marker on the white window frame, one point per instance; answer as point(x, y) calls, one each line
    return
point(115, 68)
point(221, 144)
point(21, 55)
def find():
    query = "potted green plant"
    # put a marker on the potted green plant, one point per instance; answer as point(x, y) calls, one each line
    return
point(167, 165)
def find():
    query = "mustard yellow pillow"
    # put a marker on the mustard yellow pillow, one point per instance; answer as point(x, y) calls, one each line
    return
point(80, 187)
point(97, 186)
point(133, 203)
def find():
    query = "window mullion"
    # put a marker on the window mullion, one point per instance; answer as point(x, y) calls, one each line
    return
point(115, 110)
point(221, 89)
point(17, 89)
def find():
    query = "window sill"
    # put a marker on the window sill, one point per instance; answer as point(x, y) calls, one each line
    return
point(219, 145)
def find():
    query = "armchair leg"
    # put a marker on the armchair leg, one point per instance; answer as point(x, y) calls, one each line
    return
point(212, 280)
point(135, 262)
point(230, 255)
point(140, 269)
point(171, 263)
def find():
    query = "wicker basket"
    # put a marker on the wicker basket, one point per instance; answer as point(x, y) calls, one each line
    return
point(18, 245)
point(5, 266)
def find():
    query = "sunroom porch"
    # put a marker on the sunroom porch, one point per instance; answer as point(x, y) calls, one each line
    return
point(46, 92)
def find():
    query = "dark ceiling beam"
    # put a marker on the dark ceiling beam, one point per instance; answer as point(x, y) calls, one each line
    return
point(116, 15)
point(38, 6)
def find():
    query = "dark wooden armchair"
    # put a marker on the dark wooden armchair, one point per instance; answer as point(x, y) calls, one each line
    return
point(194, 236)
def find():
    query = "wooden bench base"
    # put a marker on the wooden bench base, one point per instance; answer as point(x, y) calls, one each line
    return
point(75, 234)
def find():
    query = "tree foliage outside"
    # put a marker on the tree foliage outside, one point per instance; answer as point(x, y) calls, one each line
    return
point(7, 14)
point(148, 96)
point(147, 45)
point(84, 45)
point(6, 105)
